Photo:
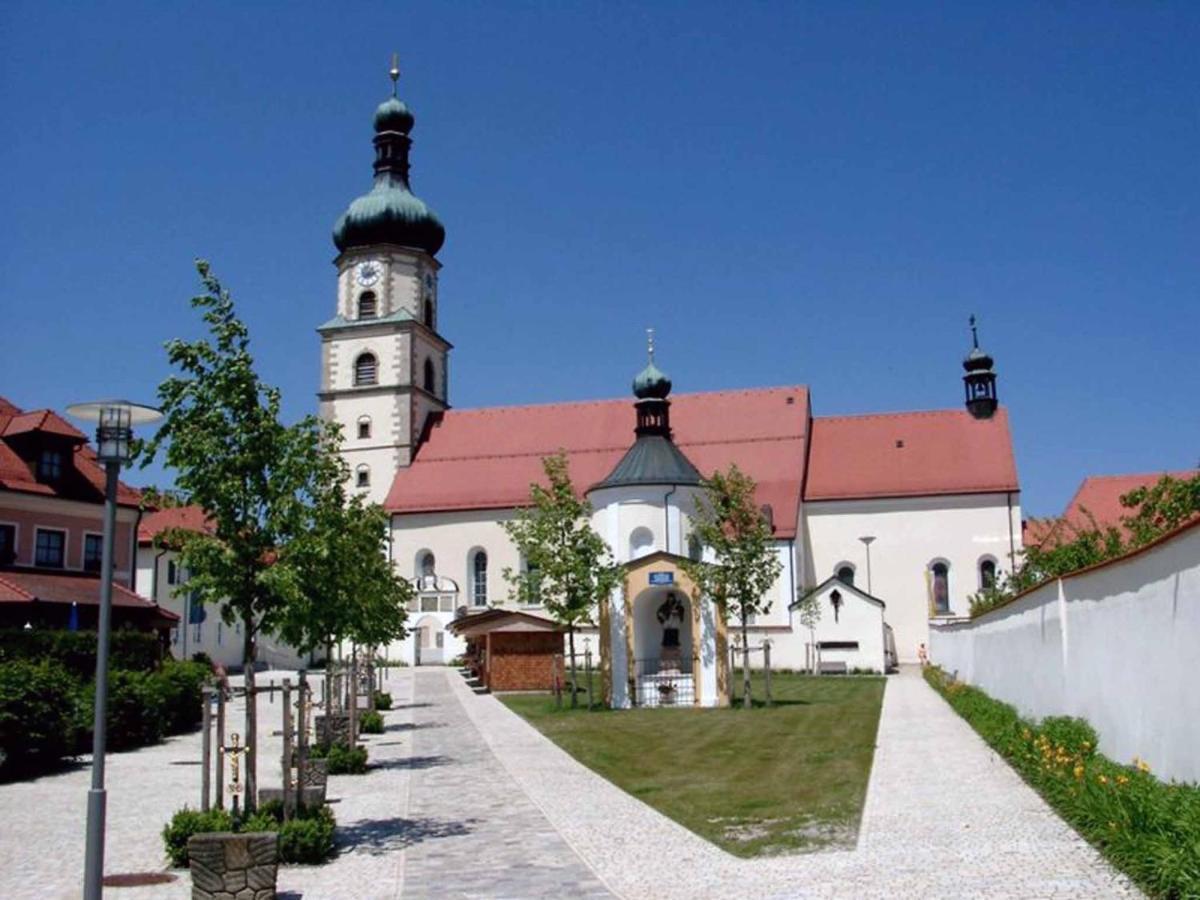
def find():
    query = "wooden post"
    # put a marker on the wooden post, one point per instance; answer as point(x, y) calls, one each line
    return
point(302, 733)
point(767, 670)
point(353, 698)
point(286, 768)
point(206, 747)
point(558, 667)
point(220, 748)
point(587, 664)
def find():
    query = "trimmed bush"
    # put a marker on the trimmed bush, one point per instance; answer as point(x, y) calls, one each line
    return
point(37, 716)
point(370, 723)
point(308, 837)
point(383, 700)
point(1148, 829)
point(341, 759)
point(187, 822)
point(76, 650)
point(180, 684)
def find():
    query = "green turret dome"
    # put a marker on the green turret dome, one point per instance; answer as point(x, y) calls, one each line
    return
point(390, 213)
point(393, 115)
point(651, 382)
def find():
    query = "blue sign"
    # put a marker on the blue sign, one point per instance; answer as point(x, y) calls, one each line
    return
point(662, 577)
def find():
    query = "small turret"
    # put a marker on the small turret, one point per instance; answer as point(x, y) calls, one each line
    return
point(980, 379)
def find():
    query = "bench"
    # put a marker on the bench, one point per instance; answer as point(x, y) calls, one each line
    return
point(833, 668)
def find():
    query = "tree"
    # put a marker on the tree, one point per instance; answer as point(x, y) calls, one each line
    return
point(745, 565)
point(1161, 507)
point(568, 567)
point(222, 435)
point(348, 587)
point(809, 609)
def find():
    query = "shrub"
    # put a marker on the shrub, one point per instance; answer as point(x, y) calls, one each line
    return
point(76, 650)
point(383, 700)
point(180, 685)
point(187, 822)
point(137, 710)
point(37, 716)
point(370, 723)
point(1148, 829)
point(341, 759)
point(308, 837)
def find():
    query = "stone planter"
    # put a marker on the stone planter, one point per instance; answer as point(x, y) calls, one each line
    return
point(334, 729)
point(227, 866)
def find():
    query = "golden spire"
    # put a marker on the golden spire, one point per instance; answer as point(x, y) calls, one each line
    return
point(394, 72)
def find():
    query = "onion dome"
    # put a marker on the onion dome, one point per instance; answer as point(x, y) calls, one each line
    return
point(651, 382)
point(390, 213)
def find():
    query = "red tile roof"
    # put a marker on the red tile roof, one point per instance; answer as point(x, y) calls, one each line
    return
point(18, 475)
point(1097, 503)
point(487, 458)
point(18, 586)
point(909, 455)
point(188, 518)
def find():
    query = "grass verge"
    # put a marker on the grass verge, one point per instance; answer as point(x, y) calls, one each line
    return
point(755, 782)
point(1148, 829)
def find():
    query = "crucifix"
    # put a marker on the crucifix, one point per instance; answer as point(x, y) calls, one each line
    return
point(235, 751)
point(836, 599)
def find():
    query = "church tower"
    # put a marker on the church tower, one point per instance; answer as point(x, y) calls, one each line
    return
point(384, 366)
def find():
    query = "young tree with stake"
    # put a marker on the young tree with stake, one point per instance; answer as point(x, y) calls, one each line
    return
point(745, 564)
point(568, 567)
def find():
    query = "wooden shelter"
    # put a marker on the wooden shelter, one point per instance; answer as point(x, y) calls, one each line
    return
point(512, 651)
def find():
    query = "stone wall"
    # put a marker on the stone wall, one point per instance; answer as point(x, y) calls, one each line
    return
point(1115, 644)
point(228, 866)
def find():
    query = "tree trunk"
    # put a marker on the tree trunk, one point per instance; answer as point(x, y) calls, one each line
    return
point(745, 664)
point(571, 642)
point(251, 784)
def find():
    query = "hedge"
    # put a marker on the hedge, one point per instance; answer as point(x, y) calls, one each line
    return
point(305, 838)
point(1147, 828)
point(46, 715)
point(76, 650)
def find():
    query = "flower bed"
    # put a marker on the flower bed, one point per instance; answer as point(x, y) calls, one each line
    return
point(1148, 829)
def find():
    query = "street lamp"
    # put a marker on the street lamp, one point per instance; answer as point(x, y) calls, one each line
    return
point(114, 435)
point(867, 539)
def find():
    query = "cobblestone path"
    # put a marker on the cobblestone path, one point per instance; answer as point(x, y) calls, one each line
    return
point(484, 836)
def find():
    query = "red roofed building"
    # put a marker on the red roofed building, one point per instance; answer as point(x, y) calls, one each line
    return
point(51, 527)
point(932, 497)
point(1096, 504)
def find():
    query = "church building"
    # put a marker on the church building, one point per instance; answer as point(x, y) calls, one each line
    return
point(892, 519)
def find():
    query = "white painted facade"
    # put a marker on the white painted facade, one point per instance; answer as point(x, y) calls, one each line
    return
point(1115, 645)
point(162, 579)
point(850, 630)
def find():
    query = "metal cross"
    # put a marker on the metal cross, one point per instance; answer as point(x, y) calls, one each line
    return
point(394, 72)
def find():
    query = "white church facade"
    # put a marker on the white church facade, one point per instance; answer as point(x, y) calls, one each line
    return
point(910, 512)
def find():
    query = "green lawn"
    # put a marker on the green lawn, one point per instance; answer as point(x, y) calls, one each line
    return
point(763, 781)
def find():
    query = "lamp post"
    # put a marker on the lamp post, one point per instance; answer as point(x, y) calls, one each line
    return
point(114, 434)
point(867, 540)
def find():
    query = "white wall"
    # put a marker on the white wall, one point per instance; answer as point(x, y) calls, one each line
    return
point(910, 534)
point(1117, 646)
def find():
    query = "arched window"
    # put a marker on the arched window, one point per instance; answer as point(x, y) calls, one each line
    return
point(368, 307)
point(532, 593)
point(845, 573)
point(429, 312)
point(364, 427)
point(479, 563)
point(426, 563)
point(940, 576)
point(429, 381)
point(695, 547)
point(641, 542)
point(987, 573)
point(366, 369)
point(362, 476)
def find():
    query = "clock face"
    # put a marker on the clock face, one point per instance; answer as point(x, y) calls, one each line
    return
point(368, 272)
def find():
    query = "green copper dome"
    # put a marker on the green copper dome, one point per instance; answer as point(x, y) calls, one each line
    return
point(651, 382)
point(393, 115)
point(390, 213)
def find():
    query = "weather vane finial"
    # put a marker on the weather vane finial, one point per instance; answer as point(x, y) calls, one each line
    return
point(394, 72)
point(650, 343)
point(974, 332)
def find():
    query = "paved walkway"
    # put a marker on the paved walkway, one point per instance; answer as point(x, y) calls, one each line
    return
point(466, 800)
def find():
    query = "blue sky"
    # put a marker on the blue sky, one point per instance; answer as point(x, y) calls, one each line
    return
point(789, 193)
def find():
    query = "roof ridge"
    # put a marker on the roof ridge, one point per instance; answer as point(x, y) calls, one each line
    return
point(609, 449)
point(1159, 472)
point(955, 411)
point(549, 404)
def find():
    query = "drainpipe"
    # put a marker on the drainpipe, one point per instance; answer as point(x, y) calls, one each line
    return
point(667, 518)
point(133, 547)
point(1012, 547)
